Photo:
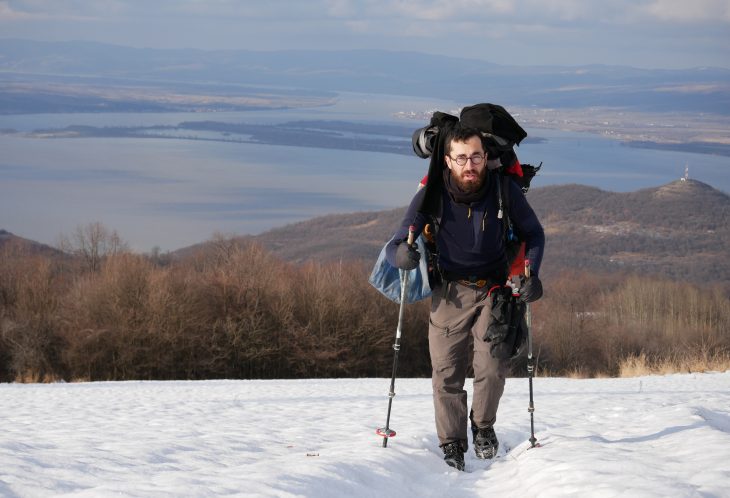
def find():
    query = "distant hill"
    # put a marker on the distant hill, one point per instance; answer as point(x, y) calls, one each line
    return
point(680, 230)
point(25, 64)
point(9, 240)
point(333, 237)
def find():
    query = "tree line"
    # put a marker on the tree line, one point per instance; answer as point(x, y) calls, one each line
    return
point(233, 310)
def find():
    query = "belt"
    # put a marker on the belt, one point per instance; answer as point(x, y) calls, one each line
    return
point(474, 283)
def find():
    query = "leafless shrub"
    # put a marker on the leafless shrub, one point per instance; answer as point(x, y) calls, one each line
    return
point(597, 325)
point(28, 321)
point(235, 311)
point(679, 324)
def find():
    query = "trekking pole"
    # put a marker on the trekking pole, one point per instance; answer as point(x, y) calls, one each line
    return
point(386, 431)
point(530, 362)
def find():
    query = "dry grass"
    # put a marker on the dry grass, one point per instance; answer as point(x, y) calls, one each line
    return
point(37, 377)
point(641, 365)
point(593, 325)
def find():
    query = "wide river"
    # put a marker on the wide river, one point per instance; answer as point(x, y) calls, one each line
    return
point(171, 193)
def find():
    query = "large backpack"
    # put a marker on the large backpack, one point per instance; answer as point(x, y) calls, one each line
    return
point(500, 133)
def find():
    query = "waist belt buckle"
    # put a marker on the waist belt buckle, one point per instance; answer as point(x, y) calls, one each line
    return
point(472, 282)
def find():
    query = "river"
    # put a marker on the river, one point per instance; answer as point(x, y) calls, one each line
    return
point(171, 193)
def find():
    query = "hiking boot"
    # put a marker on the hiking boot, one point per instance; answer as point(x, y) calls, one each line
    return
point(454, 455)
point(485, 442)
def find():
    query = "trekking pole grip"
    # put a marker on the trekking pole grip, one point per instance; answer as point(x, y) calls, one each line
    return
point(411, 234)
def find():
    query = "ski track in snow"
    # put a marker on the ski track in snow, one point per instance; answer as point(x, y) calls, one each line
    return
point(649, 436)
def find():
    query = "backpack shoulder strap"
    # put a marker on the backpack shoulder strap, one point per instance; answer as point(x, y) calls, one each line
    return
point(503, 188)
point(434, 223)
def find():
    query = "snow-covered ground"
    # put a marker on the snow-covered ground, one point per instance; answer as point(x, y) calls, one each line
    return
point(649, 436)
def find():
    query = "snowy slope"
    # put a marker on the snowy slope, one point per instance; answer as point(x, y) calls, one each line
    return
point(650, 436)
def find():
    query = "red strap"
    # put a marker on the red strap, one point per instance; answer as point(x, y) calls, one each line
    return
point(494, 287)
point(424, 181)
point(518, 265)
point(515, 168)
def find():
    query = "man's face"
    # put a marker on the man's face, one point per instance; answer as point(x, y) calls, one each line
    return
point(471, 175)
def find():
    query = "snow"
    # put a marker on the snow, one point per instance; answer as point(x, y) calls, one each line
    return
point(648, 436)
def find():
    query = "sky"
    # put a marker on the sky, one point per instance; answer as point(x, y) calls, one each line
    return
point(668, 34)
point(648, 437)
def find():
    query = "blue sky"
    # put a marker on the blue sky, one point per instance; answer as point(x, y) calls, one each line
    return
point(640, 33)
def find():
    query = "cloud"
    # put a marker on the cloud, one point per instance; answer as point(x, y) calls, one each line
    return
point(689, 12)
point(340, 8)
point(439, 11)
point(11, 13)
point(389, 12)
point(648, 33)
point(35, 10)
point(526, 11)
point(271, 11)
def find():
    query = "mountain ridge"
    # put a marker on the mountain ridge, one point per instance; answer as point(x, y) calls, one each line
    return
point(379, 71)
point(10, 241)
point(680, 230)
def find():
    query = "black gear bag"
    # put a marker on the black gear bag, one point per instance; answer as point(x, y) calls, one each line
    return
point(507, 331)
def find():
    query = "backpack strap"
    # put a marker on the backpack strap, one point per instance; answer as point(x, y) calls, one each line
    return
point(503, 189)
point(513, 246)
point(430, 233)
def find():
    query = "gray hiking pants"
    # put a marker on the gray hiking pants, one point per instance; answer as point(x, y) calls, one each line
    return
point(460, 315)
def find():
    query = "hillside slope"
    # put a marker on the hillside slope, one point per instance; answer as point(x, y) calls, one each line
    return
point(11, 242)
point(680, 230)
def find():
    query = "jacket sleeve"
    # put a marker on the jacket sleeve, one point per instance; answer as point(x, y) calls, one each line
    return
point(528, 226)
point(412, 217)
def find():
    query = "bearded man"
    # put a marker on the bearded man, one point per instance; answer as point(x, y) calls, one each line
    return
point(472, 259)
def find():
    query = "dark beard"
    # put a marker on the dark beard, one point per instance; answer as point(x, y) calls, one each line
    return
point(468, 186)
point(477, 190)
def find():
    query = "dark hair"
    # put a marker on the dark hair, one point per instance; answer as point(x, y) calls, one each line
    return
point(460, 133)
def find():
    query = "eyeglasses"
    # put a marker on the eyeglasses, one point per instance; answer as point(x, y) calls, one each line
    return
point(474, 158)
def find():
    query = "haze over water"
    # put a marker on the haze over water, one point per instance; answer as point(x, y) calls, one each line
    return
point(172, 193)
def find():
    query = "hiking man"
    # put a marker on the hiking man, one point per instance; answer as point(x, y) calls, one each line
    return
point(471, 260)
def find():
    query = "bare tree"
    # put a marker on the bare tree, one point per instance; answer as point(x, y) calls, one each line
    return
point(93, 242)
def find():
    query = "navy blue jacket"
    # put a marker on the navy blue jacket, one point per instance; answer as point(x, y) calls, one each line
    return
point(470, 238)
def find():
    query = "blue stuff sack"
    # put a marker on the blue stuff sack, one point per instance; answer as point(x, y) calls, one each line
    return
point(386, 278)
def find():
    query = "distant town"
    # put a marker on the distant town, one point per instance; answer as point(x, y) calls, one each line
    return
point(688, 132)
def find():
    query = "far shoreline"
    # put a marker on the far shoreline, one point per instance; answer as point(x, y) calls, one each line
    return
point(299, 135)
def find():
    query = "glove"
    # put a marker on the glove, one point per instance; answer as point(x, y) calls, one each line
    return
point(407, 257)
point(531, 290)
